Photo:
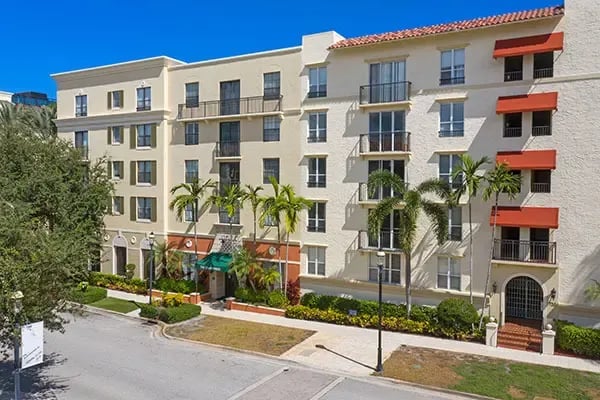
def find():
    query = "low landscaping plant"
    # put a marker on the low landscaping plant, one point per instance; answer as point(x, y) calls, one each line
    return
point(456, 317)
point(247, 295)
point(277, 299)
point(170, 315)
point(577, 339)
point(84, 294)
point(116, 282)
point(177, 286)
point(293, 292)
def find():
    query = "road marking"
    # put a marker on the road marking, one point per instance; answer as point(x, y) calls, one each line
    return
point(327, 388)
point(258, 383)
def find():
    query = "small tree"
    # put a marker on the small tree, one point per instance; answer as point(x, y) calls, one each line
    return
point(252, 195)
point(229, 199)
point(271, 211)
point(244, 267)
point(167, 261)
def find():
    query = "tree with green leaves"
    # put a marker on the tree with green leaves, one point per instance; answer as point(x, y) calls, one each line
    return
point(167, 261)
point(252, 195)
point(271, 212)
point(190, 195)
point(499, 180)
point(231, 200)
point(468, 172)
point(409, 203)
point(52, 207)
point(244, 266)
point(592, 292)
point(291, 206)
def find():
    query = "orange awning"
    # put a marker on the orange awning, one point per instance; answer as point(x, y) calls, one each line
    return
point(526, 217)
point(527, 103)
point(529, 45)
point(529, 159)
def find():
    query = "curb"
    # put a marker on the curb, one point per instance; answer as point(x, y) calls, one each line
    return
point(434, 388)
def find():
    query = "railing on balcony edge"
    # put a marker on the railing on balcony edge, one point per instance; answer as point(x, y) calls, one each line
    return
point(525, 251)
point(541, 130)
point(385, 92)
point(383, 142)
point(512, 131)
point(227, 149)
point(386, 239)
point(540, 187)
point(543, 72)
point(510, 76)
point(239, 106)
point(379, 194)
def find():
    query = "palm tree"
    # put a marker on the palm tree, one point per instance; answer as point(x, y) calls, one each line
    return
point(467, 171)
point(499, 180)
point(409, 204)
point(252, 195)
point(291, 205)
point(191, 194)
point(167, 260)
point(268, 277)
point(12, 117)
point(229, 199)
point(271, 210)
point(244, 266)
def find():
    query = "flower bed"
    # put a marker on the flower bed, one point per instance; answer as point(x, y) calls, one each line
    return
point(231, 304)
point(192, 298)
point(117, 282)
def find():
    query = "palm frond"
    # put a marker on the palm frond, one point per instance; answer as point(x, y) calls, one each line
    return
point(438, 214)
point(386, 179)
point(501, 180)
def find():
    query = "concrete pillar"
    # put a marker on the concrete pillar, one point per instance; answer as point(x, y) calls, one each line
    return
point(491, 333)
point(548, 336)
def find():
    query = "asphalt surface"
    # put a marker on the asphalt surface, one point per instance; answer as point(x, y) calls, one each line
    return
point(104, 357)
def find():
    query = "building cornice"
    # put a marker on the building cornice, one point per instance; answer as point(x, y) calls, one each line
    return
point(105, 120)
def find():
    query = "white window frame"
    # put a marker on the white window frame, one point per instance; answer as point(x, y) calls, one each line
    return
point(320, 87)
point(272, 124)
point(116, 206)
point(113, 169)
point(192, 131)
point(455, 69)
point(272, 171)
point(317, 218)
point(454, 224)
point(445, 273)
point(268, 84)
point(188, 215)
point(145, 99)
point(187, 170)
point(316, 260)
point(113, 130)
point(143, 201)
point(317, 178)
point(186, 95)
point(388, 267)
point(318, 134)
point(451, 128)
point(81, 105)
point(114, 96)
point(147, 130)
point(452, 157)
point(138, 170)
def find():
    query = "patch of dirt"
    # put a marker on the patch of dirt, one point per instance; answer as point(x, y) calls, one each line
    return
point(516, 393)
point(594, 394)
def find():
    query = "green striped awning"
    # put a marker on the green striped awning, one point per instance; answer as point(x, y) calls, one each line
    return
point(215, 262)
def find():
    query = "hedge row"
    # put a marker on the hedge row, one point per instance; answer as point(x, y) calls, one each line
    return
point(87, 294)
point(578, 340)
point(177, 286)
point(170, 315)
point(117, 282)
point(275, 299)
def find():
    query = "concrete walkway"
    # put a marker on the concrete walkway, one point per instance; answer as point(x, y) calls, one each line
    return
point(353, 350)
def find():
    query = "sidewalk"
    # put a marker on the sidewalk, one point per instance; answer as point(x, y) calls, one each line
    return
point(356, 348)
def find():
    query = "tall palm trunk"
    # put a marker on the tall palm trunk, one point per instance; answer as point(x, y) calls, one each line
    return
point(489, 271)
point(408, 276)
point(287, 260)
point(279, 257)
point(196, 278)
point(254, 234)
point(470, 254)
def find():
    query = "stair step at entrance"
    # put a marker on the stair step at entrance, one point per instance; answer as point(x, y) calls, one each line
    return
point(520, 336)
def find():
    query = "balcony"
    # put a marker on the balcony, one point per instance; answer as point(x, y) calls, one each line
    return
point(543, 73)
point(384, 143)
point(387, 240)
point(510, 76)
point(367, 199)
point(395, 93)
point(228, 150)
point(513, 131)
point(230, 109)
point(525, 251)
point(540, 187)
point(541, 130)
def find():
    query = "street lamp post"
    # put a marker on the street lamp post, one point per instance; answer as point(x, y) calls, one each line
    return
point(151, 277)
point(17, 298)
point(380, 261)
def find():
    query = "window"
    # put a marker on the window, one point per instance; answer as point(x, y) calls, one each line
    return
point(188, 266)
point(541, 123)
point(387, 132)
point(117, 170)
point(229, 139)
point(270, 169)
point(317, 82)
point(448, 164)
point(513, 124)
point(116, 134)
point(453, 67)
point(192, 134)
point(271, 85)
point(317, 127)
point(317, 172)
point(452, 119)
point(144, 97)
point(391, 268)
point(189, 213)
point(271, 129)
point(270, 220)
point(116, 99)
point(81, 105)
point(455, 224)
point(192, 94)
point(513, 68)
point(118, 205)
point(316, 217)
point(540, 181)
point(387, 83)
point(144, 208)
point(543, 65)
point(144, 135)
point(81, 143)
point(144, 172)
point(316, 261)
point(448, 273)
point(191, 171)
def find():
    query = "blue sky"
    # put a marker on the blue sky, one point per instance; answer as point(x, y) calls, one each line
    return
point(44, 37)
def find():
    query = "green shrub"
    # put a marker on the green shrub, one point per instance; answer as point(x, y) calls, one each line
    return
point(423, 314)
point(176, 286)
point(172, 300)
point(577, 339)
point(247, 295)
point(148, 311)
point(180, 313)
point(129, 271)
point(242, 294)
point(309, 300)
point(456, 316)
point(344, 305)
point(277, 299)
point(116, 282)
point(91, 294)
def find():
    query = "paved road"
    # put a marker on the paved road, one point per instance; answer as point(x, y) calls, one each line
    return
point(105, 357)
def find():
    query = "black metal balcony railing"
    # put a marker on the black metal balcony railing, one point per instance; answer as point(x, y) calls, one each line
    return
point(240, 106)
point(317, 138)
point(387, 239)
point(228, 149)
point(316, 182)
point(510, 76)
point(316, 227)
point(540, 187)
point(456, 132)
point(541, 130)
point(321, 92)
point(379, 193)
point(525, 251)
point(385, 92)
point(192, 101)
point(543, 72)
point(457, 80)
point(513, 131)
point(381, 142)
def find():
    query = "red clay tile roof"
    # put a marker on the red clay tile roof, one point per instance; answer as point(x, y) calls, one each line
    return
point(518, 16)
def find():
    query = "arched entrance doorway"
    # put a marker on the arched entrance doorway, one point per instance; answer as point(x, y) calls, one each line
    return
point(524, 298)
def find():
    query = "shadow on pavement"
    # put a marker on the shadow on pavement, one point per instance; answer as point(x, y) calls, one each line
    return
point(35, 381)
point(322, 347)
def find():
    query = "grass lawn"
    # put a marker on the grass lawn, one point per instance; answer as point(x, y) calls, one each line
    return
point(263, 338)
point(118, 305)
point(490, 376)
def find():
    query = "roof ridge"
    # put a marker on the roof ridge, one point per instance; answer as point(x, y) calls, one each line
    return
point(445, 27)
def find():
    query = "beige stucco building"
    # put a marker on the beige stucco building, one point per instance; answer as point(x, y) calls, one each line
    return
point(518, 88)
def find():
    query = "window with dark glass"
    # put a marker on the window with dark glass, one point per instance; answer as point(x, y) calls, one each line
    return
point(192, 133)
point(81, 105)
point(270, 169)
point(517, 173)
point(316, 217)
point(513, 125)
point(144, 98)
point(191, 171)
point(541, 181)
point(452, 119)
point(543, 65)
point(192, 94)
point(455, 224)
point(541, 124)
point(317, 171)
point(317, 127)
point(144, 171)
point(448, 164)
point(144, 208)
point(271, 127)
point(513, 68)
point(453, 67)
point(317, 82)
point(271, 85)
